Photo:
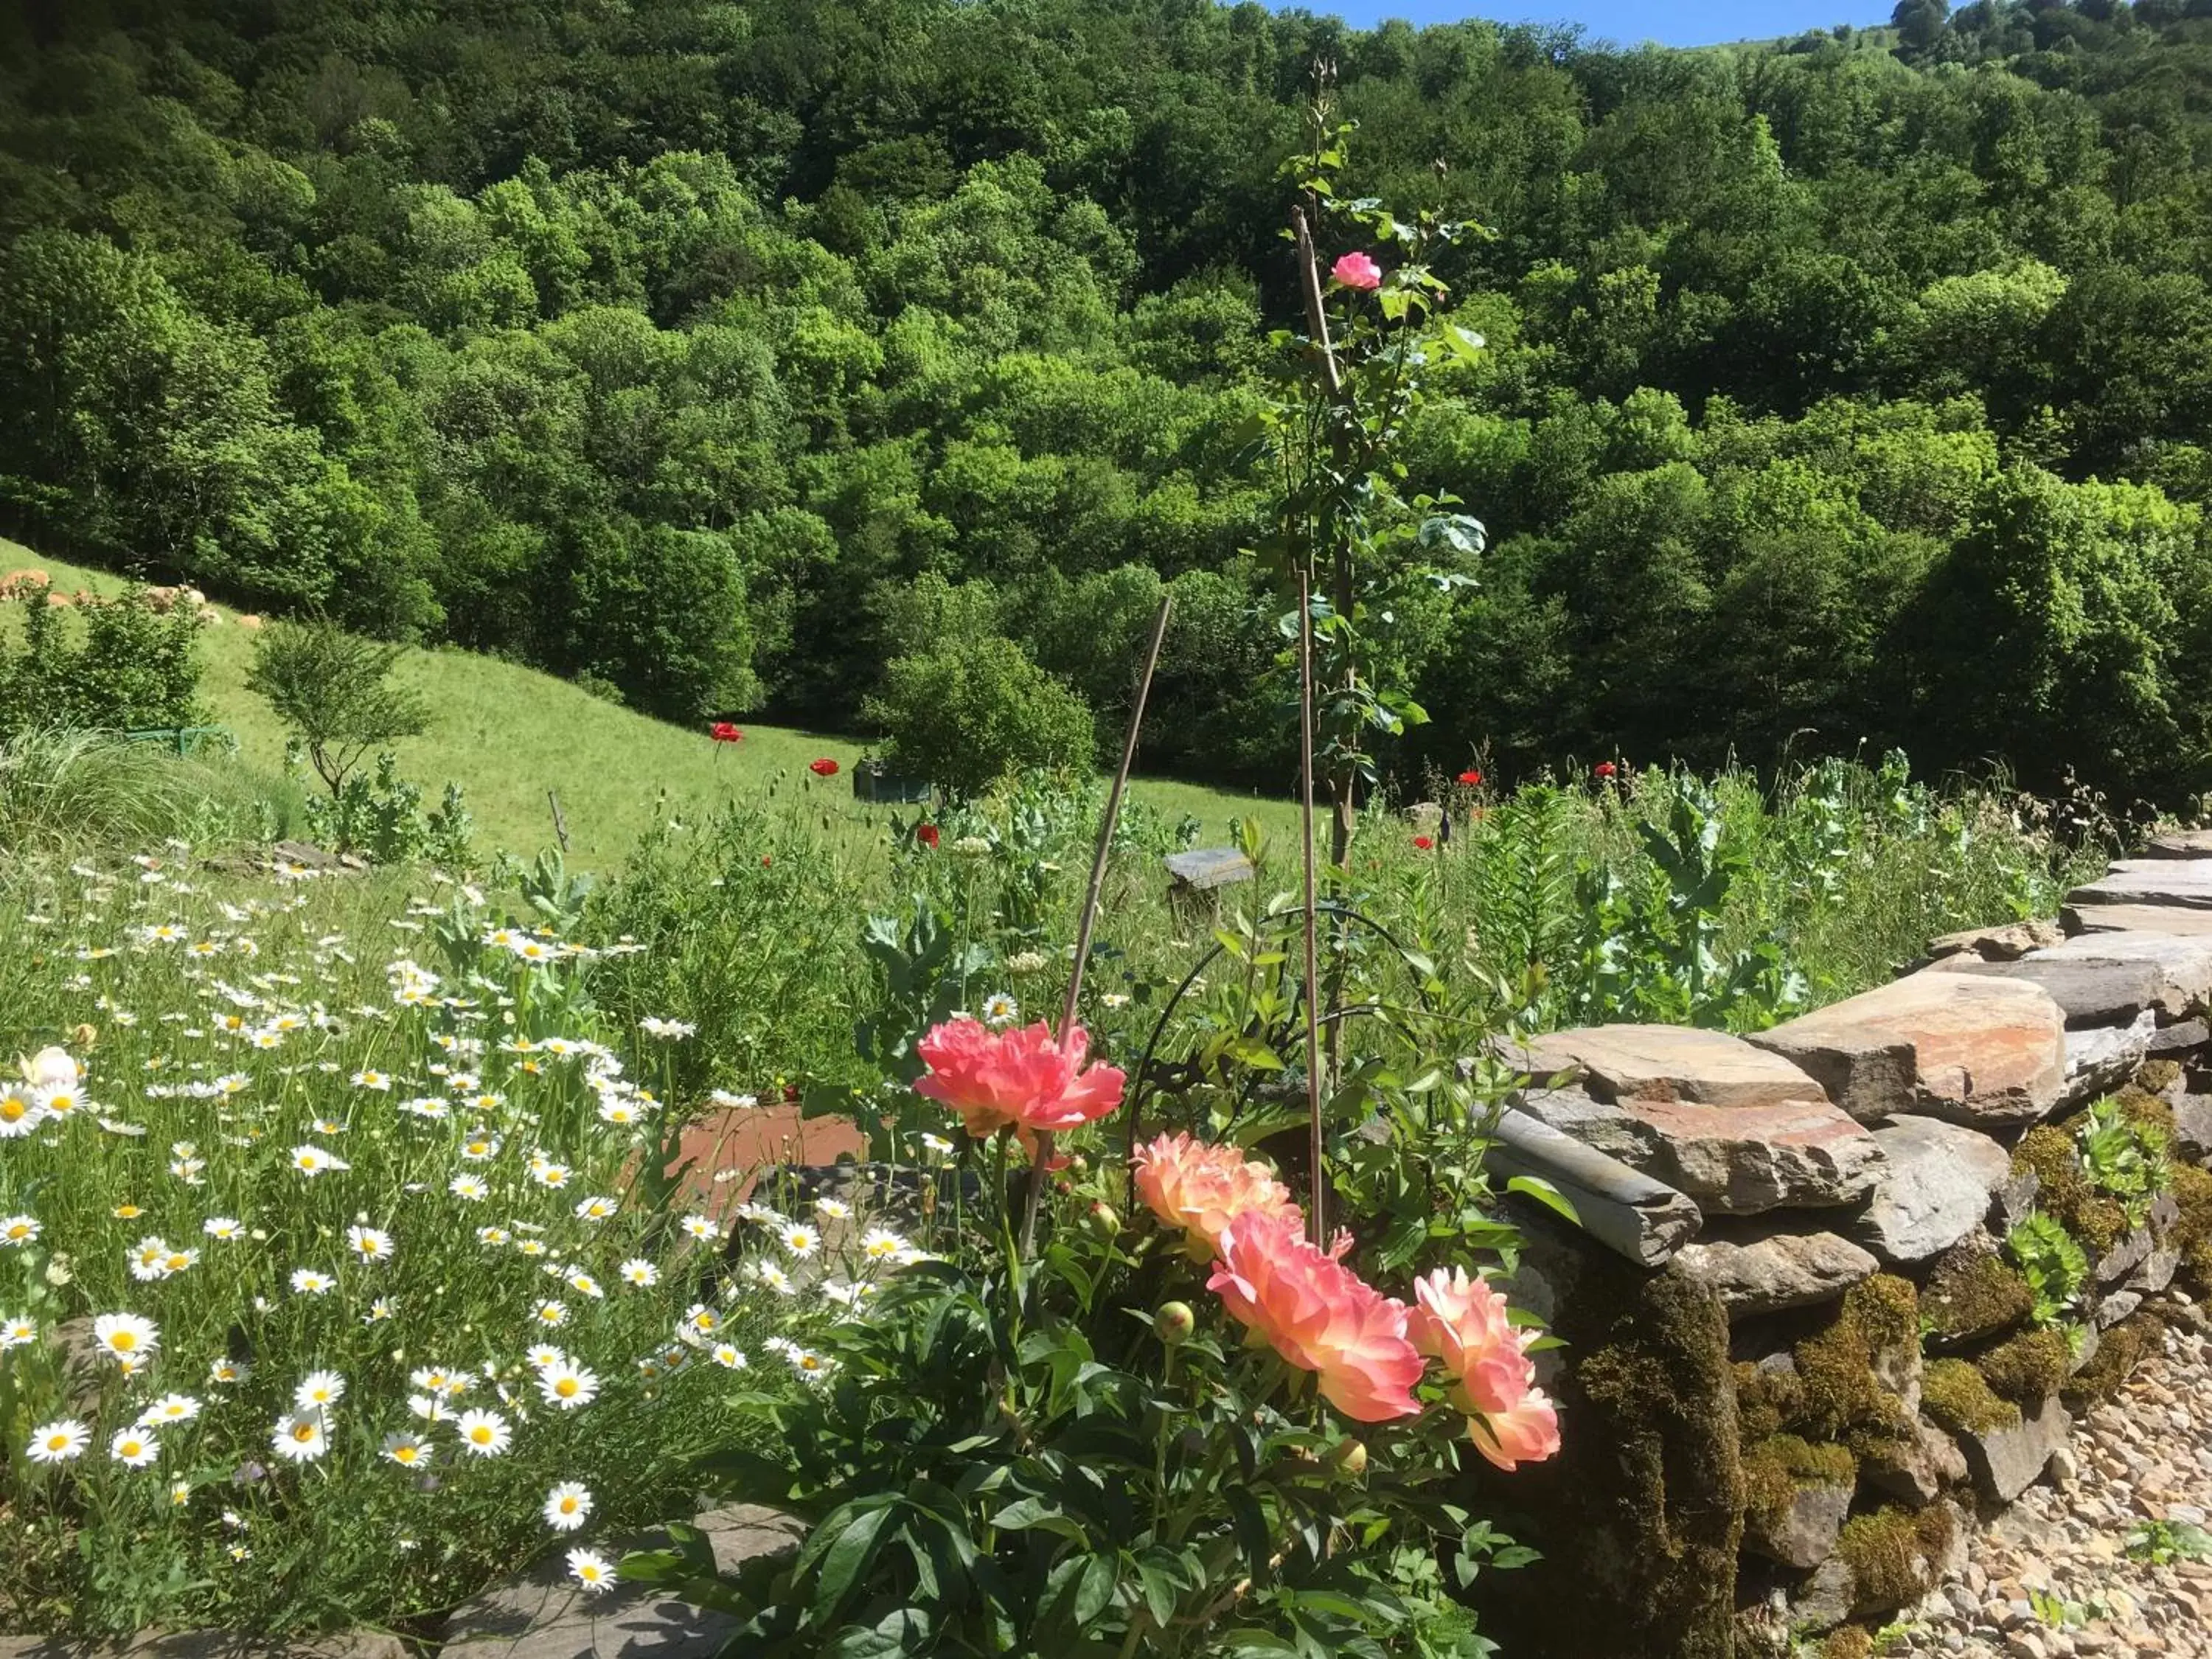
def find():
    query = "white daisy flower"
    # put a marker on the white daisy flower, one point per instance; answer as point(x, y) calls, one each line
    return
point(800, 1240)
point(134, 1448)
point(639, 1271)
point(16, 1231)
point(59, 1442)
point(595, 1209)
point(409, 1451)
point(17, 1331)
point(728, 1358)
point(126, 1336)
point(311, 1161)
point(318, 1391)
point(369, 1243)
point(699, 1227)
point(469, 1187)
point(591, 1570)
point(484, 1434)
point(168, 1409)
point(568, 1506)
point(300, 1436)
point(223, 1227)
point(567, 1385)
point(307, 1281)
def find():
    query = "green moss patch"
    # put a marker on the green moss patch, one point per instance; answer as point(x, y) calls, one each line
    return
point(2155, 1077)
point(2193, 1232)
point(1835, 1366)
point(1973, 1293)
point(2030, 1368)
point(1778, 1466)
point(1847, 1642)
point(1893, 1553)
point(2095, 1219)
point(2119, 1350)
point(1957, 1396)
point(1765, 1401)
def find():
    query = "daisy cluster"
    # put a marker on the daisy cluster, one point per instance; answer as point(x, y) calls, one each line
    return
point(300, 1230)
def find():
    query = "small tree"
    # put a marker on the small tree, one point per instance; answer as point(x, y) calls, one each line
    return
point(965, 716)
point(334, 689)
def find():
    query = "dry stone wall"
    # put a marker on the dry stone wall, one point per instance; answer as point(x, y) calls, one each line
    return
point(1935, 1221)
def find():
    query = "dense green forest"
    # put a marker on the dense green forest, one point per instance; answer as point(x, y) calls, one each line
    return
point(1848, 389)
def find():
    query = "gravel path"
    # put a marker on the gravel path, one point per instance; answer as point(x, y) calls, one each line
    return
point(2145, 1455)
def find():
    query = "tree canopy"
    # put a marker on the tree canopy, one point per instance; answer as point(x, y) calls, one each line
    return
point(1853, 388)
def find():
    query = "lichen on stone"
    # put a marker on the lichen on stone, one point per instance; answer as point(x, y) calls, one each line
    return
point(2155, 1077)
point(1957, 1396)
point(1847, 1642)
point(2028, 1369)
point(1975, 1292)
point(1893, 1553)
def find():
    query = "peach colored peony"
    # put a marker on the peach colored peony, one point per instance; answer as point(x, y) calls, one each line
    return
point(1201, 1190)
point(1319, 1314)
point(1529, 1433)
point(1357, 270)
point(1462, 1322)
point(1023, 1079)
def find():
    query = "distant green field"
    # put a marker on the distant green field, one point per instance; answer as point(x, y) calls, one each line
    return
point(509, 734)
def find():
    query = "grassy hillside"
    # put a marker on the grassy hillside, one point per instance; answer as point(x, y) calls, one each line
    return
point(509, 734)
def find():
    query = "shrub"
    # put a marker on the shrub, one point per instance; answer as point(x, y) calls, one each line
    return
point(334, 691)
point(113, 665)
point(965, 716)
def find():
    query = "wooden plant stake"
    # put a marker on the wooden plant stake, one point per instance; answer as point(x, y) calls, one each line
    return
point(560, 826)
point(1089, 913)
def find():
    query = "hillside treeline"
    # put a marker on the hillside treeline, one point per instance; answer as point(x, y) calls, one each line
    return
point(1853, 388)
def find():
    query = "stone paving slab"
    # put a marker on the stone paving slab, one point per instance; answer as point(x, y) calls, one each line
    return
point(2181, 962)
point(2180, 883)
point(2089, 990)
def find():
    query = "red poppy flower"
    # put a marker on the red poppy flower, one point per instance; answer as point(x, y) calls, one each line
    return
point(1424, 842)
point(1471, 778)
point(1603, 769)
point(926, 835)
point(724, 732)
point(766, 859)
point(824, 768)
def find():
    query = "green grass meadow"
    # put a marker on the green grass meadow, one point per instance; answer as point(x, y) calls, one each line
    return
point(509, 735)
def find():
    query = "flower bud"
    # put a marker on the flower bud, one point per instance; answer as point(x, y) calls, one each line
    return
point(1174, 1323)
point(1350, 1457)
point(1104, 1221)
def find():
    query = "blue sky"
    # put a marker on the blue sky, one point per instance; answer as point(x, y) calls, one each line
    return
point(1673, 22)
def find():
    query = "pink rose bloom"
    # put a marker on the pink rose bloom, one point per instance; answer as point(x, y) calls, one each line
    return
point(1529, 1433)
point(1356, 270)
point(1026, 1079)
point(1318, 1315)
point(1201, 1190)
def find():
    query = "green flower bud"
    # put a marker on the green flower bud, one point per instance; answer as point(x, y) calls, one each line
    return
point(1174, 1323)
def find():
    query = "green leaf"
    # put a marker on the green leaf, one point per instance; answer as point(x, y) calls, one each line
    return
point(852, 1550)
point(1544, 1193)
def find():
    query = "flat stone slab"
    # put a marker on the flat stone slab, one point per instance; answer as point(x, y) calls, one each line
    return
point(2099, 1061)
point(2181, 961)
point(2006, 1461)
point(2082, 919)
point(1773, 1271)
point(2179, 844)
point(544, 1615)
point(2192, 1124)
point(1206, 868)
point(1732, 1160)
point(2178, 884)
point(1966, 1047)
point(2006, 944)
point(1665, 1063)
point(1935, 1187)
point(2088, 990)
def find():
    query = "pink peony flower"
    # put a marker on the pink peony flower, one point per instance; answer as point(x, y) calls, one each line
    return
point(1462, 1322)
point(1529, 1433)
point(1202, 1188)
point(1024, 1079)
point(1318, 1315)
point(1356, 270)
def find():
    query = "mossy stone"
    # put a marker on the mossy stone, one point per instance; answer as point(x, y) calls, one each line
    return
point(2191, 1232)
point(2119, 1350)
point(2063, 1193)
point(2028, 1369)
point(1640, 1517)
point(1836, 1365)
point(1958, 1396)
point(1847, 1642)
point(1974, 1293)
point(1766, 1401)
point(1893, 1554)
